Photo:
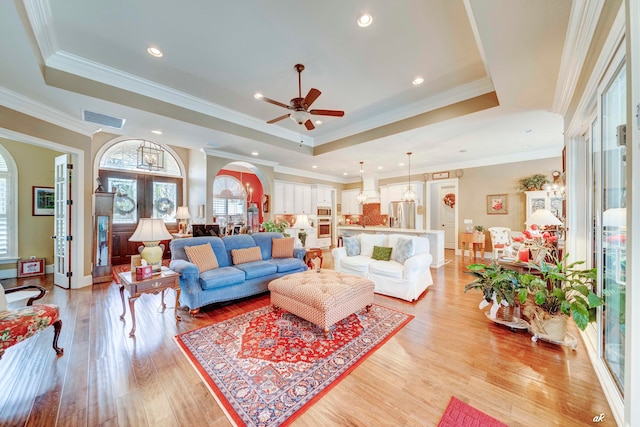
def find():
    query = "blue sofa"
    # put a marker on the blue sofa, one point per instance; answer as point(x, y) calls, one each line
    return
point(228, 281)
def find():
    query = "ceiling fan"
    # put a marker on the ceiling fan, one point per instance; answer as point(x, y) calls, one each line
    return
point(300, 106)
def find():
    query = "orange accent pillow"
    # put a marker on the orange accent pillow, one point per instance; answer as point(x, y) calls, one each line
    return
point(202, 256)
point(282, 248)
point(241, 256)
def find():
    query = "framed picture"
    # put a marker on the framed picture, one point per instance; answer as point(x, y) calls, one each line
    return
point(497, 204)
point(43, 201)
point(31, 267)
point(440, 175)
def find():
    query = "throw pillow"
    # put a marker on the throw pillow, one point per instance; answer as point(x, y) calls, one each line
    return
point(368, 241)
point(381, 253)
point(282, 248)
point(404, 249)
point(352, 245)
point(202, 256)
point(241, 256)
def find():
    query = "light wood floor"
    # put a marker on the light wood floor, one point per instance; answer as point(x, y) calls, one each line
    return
point(448, 349)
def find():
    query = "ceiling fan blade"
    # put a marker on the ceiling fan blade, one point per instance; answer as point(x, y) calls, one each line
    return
point(335, 113)
point(271, 101)
point(277, 119)
point(311, 97)
point(309, 125)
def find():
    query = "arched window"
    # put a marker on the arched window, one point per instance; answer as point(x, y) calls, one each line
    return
point(8, 199)
point(140, 156)
point(229, 200)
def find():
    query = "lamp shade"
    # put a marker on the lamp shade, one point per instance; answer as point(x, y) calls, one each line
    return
point(543, 217)
point(615, 217)
point(150, 230)
point(183, 212)
point(302, 221)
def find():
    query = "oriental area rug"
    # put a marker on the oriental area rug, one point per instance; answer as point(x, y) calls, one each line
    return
point(266, 367)
point(460, 414)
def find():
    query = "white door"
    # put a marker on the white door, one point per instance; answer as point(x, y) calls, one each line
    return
point(62, 222)
point(447, 215)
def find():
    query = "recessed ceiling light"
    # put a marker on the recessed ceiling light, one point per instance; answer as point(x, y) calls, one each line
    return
point(464, 150)
point(380, 167)
point(254, 153)
point(258, 95)
point(154, 51)
point(400, 164)
point(314, 167)
point(345, 173)
point(365, 20)
point(157, 132)
point(318, 122)
point(417, 81)
point(527, 131)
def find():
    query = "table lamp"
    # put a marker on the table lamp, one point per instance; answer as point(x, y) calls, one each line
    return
point(302, 222)
point(543, 217)
point(150, 232)
point(183, 215)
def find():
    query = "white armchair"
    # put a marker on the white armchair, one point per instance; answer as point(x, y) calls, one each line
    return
point(500, 239)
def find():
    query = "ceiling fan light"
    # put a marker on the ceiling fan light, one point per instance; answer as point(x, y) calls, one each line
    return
point(299, 116)
point(365, 20)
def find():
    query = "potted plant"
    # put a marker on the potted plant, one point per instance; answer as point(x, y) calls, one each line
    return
point(499, 285)
point(558, 291)
point(533, 182)
point(479, 228)
point(279, 226)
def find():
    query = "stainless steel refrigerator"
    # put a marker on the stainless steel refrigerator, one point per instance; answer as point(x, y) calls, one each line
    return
point(402, 215)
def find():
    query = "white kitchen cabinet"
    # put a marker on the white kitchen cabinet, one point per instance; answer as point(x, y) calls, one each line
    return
point(350, 205)
point(542, 200)
point(321, 196)
point(291, 198)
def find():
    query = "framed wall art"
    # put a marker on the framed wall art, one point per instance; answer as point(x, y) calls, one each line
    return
point(43, 201)
point(440, 175)
point(31, 267)
point(497, 204)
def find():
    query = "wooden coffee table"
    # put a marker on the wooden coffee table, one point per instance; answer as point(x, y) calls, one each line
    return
point(159, 282)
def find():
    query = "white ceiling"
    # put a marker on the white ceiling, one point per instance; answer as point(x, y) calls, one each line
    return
point(66, 56)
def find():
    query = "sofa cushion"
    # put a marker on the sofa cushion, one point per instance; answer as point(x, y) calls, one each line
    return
point(202, 256)
point(391, 269)
point(256, 269)
point(357, 263)
point(221, 277)
point(381, 253)
point(287, 264)
point(368, 241)
point(351, 245)
point(282, 248)
point(241, 256)
point(403, 249)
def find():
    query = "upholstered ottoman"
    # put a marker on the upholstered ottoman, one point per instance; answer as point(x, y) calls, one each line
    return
point(322, 298)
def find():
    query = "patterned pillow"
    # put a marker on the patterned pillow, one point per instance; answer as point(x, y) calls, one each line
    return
point(352, 245)
point(202, 256)
point(381, 253)
point(404, 249)
point(282, 248)
point(241, 256)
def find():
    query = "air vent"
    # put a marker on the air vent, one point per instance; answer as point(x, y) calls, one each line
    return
point(101, 119)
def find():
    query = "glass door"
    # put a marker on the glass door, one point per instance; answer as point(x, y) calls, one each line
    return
point(610, 196)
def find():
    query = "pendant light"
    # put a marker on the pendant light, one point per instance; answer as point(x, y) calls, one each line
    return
point(362, 198)
point(409, 195)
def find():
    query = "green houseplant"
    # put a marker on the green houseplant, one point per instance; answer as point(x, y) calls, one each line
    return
point(561, 289)
point(279, 226)
point(533, 182)
point(497, 284)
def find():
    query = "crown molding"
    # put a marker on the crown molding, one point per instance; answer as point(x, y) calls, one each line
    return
point(457, 94)
point(25, 105)
point(582, 25)
point(307, 174)
point(40, 19)
point(81, 67)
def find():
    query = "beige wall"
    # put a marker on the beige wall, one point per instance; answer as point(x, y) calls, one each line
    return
point(35, 168)
point(477, 183)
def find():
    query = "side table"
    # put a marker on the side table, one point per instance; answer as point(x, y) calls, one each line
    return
point(159, 282)
point(469, 241)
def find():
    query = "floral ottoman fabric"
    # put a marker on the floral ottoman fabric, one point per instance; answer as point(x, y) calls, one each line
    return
point(18, 325)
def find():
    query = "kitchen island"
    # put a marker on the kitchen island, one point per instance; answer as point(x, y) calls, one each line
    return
point(435, 237)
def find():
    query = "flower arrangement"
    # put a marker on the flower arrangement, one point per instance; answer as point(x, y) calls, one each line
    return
point(540, 243)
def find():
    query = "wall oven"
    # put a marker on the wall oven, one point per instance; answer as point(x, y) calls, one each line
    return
point(324, 228)
point(324, 211)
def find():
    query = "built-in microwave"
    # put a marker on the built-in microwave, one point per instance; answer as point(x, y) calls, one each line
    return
point(324, 211)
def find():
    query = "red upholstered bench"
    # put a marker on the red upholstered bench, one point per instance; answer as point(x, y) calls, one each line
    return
point(19, 324)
